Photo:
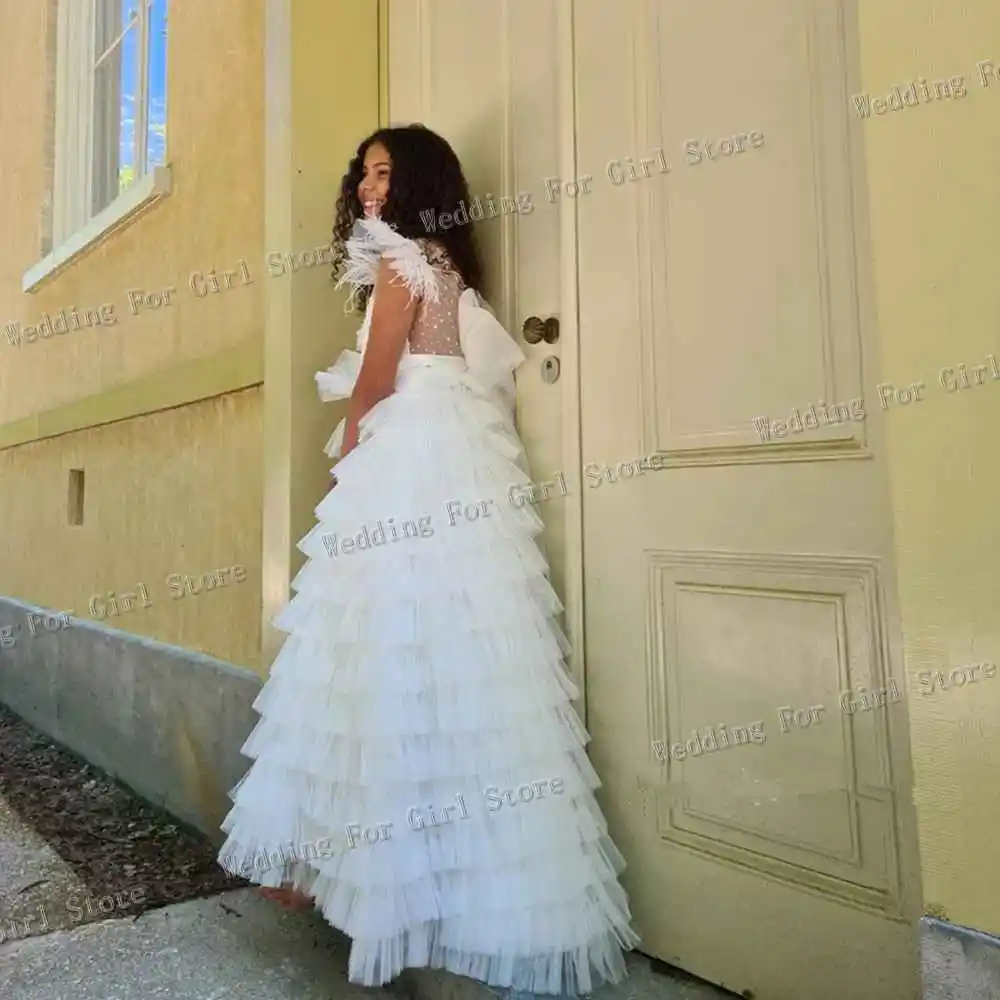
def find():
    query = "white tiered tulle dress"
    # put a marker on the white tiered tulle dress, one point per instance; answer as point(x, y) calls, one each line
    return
point(421, 679)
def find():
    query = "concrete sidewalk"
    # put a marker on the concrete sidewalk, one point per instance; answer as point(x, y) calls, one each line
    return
point(234, 946)
point(237, 946)
point(230, 947)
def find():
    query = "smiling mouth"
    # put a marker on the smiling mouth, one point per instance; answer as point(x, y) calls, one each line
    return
point(372, 206)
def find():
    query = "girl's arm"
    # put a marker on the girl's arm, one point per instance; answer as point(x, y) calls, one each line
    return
point(393, 313)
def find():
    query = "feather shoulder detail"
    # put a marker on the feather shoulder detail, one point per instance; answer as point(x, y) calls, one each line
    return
point(370, 242)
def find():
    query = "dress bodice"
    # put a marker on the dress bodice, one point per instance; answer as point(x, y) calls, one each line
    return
point(455, 340)
point(435, 327)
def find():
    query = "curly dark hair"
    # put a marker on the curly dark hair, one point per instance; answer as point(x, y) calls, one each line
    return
point(426, 180)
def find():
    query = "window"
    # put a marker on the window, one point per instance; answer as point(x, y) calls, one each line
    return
point(129, 74)
point(110, 122)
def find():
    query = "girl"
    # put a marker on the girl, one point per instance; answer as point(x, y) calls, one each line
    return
point(419, 712)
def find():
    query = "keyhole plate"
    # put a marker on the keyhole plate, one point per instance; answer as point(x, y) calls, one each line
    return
point(550, 369)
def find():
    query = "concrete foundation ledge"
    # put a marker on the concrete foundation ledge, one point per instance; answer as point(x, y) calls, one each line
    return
point(168, 722)
point(959, 963)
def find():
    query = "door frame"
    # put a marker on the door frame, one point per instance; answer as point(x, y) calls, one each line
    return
point(305, 147)
point(569, 334)
point(569, 308)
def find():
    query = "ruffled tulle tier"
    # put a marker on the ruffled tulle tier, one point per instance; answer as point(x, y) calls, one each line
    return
point(418, 767)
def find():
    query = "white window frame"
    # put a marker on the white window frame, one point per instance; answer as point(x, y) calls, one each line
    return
point(74, 229)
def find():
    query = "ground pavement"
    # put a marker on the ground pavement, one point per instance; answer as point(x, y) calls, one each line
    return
point(115, 902)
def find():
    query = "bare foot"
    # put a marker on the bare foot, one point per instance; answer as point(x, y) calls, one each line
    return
point(287, 896)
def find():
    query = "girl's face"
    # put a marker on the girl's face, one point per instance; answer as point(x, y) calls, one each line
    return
point(374, 187)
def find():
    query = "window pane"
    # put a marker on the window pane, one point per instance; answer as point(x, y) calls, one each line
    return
point(156, 139)
point(112, 19)
point(116, 84)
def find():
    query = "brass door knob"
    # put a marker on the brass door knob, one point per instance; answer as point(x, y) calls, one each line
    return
point(536, 330)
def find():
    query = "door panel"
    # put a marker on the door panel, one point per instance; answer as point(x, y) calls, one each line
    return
point(733, 595)
point(486, 75)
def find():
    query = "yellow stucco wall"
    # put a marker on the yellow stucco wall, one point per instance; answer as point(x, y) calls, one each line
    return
point(213, 219)
point(179, 490)
point(175, 492)
point(933, 172)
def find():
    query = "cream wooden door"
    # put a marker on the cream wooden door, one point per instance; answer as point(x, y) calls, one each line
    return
point(698, 288)
point(745, 585)
point(495, 78)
